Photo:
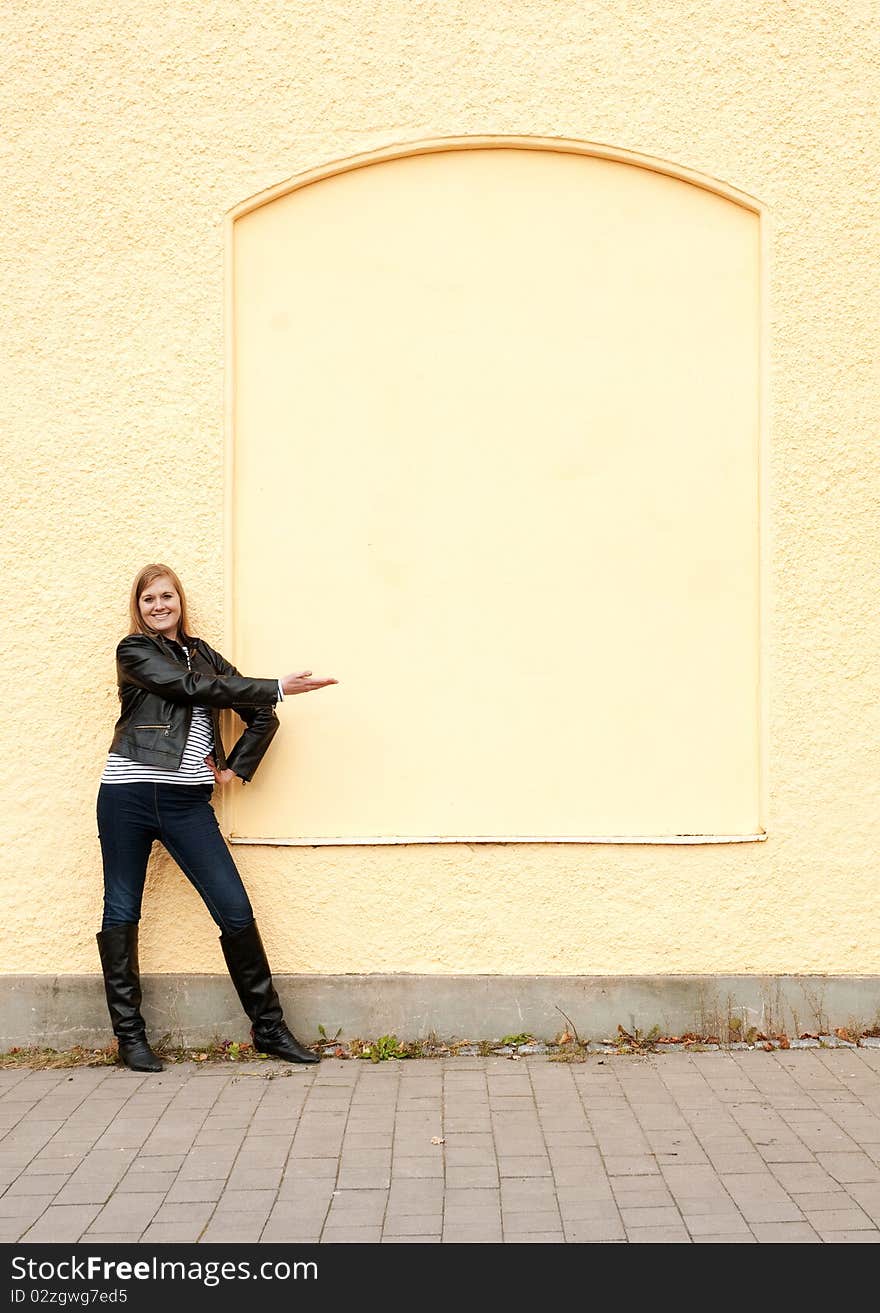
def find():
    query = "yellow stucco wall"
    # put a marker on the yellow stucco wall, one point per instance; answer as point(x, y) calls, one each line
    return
point(136, 129)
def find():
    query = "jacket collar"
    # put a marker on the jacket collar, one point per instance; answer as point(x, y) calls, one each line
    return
point(176, 645)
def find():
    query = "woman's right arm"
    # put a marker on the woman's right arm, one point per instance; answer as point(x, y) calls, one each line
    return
point(139, 662)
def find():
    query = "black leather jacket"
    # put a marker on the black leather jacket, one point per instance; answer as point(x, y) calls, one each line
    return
point(158, 692)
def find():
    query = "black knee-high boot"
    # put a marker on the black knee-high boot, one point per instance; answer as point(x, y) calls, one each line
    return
point(118, 947)
point(249, 969)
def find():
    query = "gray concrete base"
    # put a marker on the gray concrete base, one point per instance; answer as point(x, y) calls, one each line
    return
point(61, 1011)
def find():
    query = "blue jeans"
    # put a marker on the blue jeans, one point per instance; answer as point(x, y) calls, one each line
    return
point(180, 816)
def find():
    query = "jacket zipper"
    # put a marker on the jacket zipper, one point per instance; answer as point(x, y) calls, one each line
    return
point(165, 728)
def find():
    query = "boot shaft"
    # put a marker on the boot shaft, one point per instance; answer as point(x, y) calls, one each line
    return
point(118, 948)
point(249, 969)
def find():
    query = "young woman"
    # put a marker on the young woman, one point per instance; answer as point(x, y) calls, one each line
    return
point(165, 760)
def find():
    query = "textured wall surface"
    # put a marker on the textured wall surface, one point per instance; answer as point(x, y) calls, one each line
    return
point(131, 130)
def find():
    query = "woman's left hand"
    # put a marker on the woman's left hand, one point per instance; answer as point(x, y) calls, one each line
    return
point(221, 777)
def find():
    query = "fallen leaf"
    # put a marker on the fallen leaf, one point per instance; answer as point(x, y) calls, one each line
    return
point(437, 1139)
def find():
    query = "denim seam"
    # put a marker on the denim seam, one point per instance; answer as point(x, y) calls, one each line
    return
point(112, 843)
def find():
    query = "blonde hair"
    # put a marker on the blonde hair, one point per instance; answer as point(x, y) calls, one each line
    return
point(143, 579)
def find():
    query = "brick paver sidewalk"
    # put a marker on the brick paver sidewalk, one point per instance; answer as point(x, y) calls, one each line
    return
point(703, 1147)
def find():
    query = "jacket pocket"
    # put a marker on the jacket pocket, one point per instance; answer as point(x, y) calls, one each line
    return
point(153, 738)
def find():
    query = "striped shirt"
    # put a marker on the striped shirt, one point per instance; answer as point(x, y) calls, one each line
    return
point(199, 742)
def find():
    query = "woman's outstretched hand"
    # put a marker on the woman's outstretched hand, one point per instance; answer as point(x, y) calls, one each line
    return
point(221, 777)
point(303, 682)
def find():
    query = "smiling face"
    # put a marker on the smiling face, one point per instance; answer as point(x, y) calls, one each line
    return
point(159, 605)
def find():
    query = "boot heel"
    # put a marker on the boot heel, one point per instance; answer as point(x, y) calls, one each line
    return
point(138, 1056)
point(282, 1043)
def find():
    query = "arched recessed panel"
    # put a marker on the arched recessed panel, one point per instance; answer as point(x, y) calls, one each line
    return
point(495, 468)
